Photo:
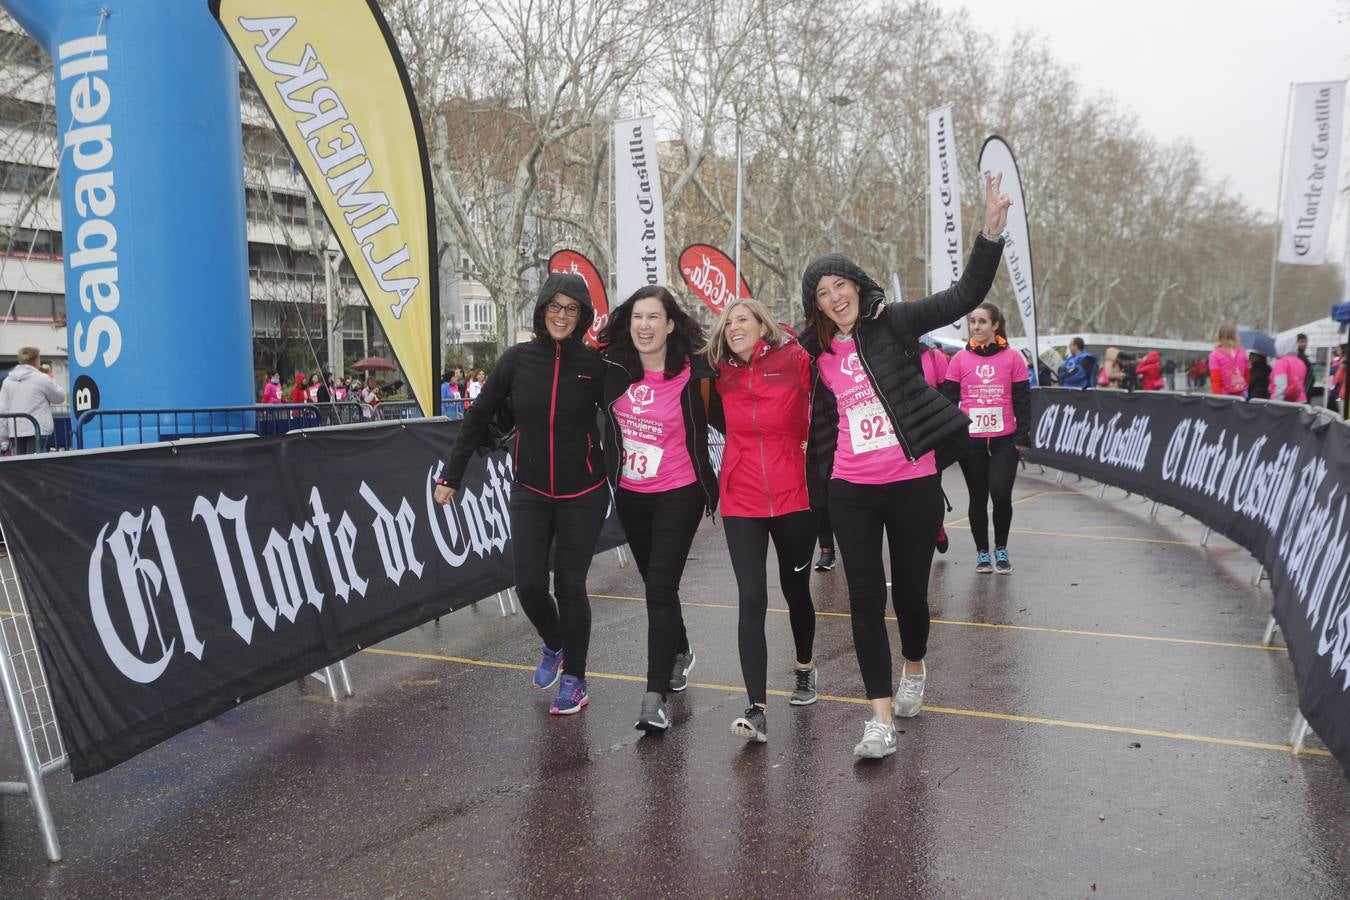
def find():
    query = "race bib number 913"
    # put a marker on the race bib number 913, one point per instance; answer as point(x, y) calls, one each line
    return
point(640, 461)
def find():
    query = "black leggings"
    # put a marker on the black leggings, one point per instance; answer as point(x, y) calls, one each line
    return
point(824, 533)
point(660, 529)
point(536, 522)
point(794, 538)
point(990, 467)
point(908, 513)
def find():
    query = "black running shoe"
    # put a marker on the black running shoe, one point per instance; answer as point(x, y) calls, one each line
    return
point(752, 726)
point(653, 719)
point(826, 561)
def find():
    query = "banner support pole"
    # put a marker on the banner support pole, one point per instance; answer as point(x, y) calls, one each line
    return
point(736, 279)
point(1279, 211)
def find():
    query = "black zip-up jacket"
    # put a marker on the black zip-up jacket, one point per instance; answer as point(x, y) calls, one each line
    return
point(552, 390)
point(886, 337)
point(1021, 398)
point(617, 380)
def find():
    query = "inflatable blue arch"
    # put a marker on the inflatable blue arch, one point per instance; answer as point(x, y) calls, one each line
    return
point(152, 202)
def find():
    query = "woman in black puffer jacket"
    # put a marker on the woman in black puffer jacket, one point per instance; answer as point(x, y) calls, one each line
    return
point(875, 424)
point(551, 385)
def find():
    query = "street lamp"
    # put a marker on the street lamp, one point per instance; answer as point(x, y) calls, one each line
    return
point(452, 332)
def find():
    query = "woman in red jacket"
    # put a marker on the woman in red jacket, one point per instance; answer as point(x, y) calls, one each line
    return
point(762, 406)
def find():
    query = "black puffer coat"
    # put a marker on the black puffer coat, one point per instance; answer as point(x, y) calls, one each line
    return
point(887, 339)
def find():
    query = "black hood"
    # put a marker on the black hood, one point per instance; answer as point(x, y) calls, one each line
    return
point(573, 286)
point(870, 293)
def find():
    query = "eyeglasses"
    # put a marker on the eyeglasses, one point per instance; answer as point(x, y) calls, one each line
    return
point(571, 311)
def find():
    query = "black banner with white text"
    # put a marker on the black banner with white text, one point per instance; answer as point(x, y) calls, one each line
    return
point(1271, 477)
point(167, 584)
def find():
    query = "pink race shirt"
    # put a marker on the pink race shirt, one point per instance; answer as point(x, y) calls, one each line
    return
point(986, 389)
point(1232, 367)
point(867, 451)
point(655, 456)
point(1294, 371)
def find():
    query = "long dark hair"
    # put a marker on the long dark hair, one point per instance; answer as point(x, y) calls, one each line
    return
point(617, 340)
point(996, 316)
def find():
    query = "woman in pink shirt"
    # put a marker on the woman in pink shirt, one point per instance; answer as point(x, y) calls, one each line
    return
point(1229, 370)
point(988, 379)
point(1289, 374)
point(656, 459)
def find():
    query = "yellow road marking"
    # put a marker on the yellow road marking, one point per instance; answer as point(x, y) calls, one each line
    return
point(859, 701)
point(996, 625)
point(1107, 537)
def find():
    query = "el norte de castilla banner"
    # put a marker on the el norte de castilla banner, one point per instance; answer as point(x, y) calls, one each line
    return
point(331, 75)
point(1272, 477)
point(168, 583)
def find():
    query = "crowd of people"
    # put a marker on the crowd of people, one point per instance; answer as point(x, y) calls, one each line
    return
point(841, 419)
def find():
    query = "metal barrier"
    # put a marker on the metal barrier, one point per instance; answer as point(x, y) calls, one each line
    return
point(101, 427)
point(30, 704)
point(15, 441)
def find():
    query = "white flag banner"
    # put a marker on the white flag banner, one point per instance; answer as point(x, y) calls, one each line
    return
point(639, 217)
point(945, 259)
point(1312, 172)
point(996, 158)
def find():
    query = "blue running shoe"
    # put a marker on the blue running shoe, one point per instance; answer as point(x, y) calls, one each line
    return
point(1002, 564)
point(983, 564)
point(571, 696)
point(550, 667)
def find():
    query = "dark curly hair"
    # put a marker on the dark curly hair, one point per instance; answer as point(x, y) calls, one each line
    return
point(616, 340)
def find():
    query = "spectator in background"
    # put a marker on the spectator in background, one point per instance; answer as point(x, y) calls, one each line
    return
point(312, 391)
point(1150, 371)
point(1333, 371)
point(28, 391)
point(324, 394)
point(370, 399)
point(1033, 377)
point(272, 390)
point(1289, 375)
point(476, 384)
point(1110, 375)
point(298, 391)
point(451, 405)
point(1197, 374)
point(1080, 369)
point(1308, 379)
point(1229, 370)
point(1170, 374)
point(1258, 386)
point(1339, 384)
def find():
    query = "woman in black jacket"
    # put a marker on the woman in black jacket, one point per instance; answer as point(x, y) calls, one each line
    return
point(551, 387)
point(656, 457)
point(875, 424)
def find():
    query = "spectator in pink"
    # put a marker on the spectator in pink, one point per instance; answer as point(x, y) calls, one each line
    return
point(1229, 370)
point(1289, 374)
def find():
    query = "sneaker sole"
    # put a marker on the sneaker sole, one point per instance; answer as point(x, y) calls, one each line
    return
point(869, 753)
point(544, 687)
point(1007, 571)
point(795, 702)
point(901, 713)
point(743, 729)
point(982, 571)
point(553, 710)
point(652, 727)
point(829, 568)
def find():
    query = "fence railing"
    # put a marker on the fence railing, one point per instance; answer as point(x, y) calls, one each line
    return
point(17, 445)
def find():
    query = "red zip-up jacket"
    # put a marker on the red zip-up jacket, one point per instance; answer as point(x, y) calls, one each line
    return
point(764, 408)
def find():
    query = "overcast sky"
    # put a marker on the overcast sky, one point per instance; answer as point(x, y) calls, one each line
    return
point(1214, 72)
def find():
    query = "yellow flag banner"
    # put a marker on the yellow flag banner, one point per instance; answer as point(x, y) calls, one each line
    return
point(334, 81)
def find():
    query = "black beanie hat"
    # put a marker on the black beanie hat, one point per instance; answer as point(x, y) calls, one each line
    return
point(573, 286)
point(869, 292)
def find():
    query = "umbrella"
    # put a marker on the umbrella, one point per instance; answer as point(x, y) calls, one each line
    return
point(1257, 342)
point(373, 364)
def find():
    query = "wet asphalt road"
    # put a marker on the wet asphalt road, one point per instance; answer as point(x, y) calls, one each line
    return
point(1101, 723)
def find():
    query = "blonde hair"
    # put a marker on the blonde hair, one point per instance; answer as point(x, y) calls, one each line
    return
point(717, 350)
point(1227, 337)
point(28, 356)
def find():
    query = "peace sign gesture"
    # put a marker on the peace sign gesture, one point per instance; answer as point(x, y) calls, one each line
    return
point(996, 206)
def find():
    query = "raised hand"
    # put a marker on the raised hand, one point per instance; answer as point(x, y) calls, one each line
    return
point(996, 206)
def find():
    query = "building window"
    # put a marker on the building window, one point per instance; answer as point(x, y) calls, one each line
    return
point(25, 179)
point(45, 244)
point(34, 307)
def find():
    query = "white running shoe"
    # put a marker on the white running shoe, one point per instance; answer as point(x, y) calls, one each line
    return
point(909, 694)
point(878, 740)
